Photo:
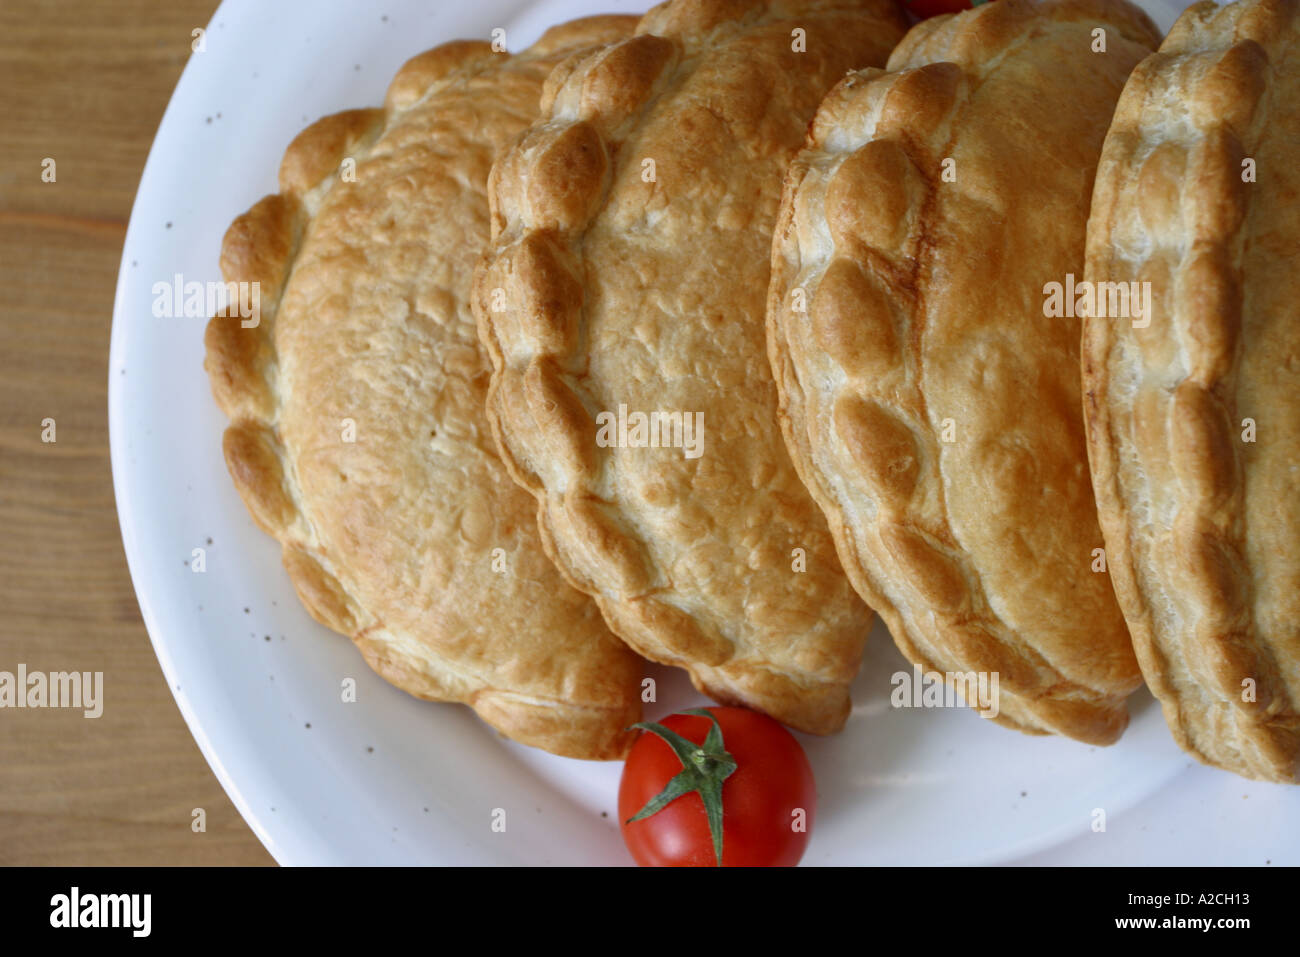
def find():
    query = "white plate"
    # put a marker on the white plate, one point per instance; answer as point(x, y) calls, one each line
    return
point(390, 779)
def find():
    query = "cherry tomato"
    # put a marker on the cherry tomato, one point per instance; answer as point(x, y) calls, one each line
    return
point(768, 800)
point(922, 9)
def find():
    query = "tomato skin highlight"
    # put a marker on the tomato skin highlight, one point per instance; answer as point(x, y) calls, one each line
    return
point(772, 780)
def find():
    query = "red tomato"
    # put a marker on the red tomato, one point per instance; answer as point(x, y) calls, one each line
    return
point(767, 802)
point(921, 9)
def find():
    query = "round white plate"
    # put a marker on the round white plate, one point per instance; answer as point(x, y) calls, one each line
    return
point(389, 779)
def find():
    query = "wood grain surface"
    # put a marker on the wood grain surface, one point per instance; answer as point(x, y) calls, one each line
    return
point(83, 82)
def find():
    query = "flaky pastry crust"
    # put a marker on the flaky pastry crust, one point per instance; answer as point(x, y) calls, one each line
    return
point(629, 267)
point(1201, 518)
point(930, 406)
point(357, 434)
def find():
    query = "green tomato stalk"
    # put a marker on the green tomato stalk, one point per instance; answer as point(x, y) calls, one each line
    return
point(704, 768)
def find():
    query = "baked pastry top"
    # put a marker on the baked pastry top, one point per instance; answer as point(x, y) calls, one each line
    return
point(631, 230)
point(1194, 419)
point(931, 406)
point(357, 434)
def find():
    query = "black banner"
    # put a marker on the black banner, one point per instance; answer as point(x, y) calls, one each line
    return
point(303, 906)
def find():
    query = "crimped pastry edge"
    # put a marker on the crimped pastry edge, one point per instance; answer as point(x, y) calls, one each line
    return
point(1211, 723)
point(261, 246)
point(638, 69)
point(916, 67)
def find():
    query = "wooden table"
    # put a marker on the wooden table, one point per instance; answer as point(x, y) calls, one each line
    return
point(83, 82)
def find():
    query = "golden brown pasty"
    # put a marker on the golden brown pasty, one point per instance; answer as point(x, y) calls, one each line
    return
point(627, 280)
point(358, 437)
point(931, 406)
point(1194, 413)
